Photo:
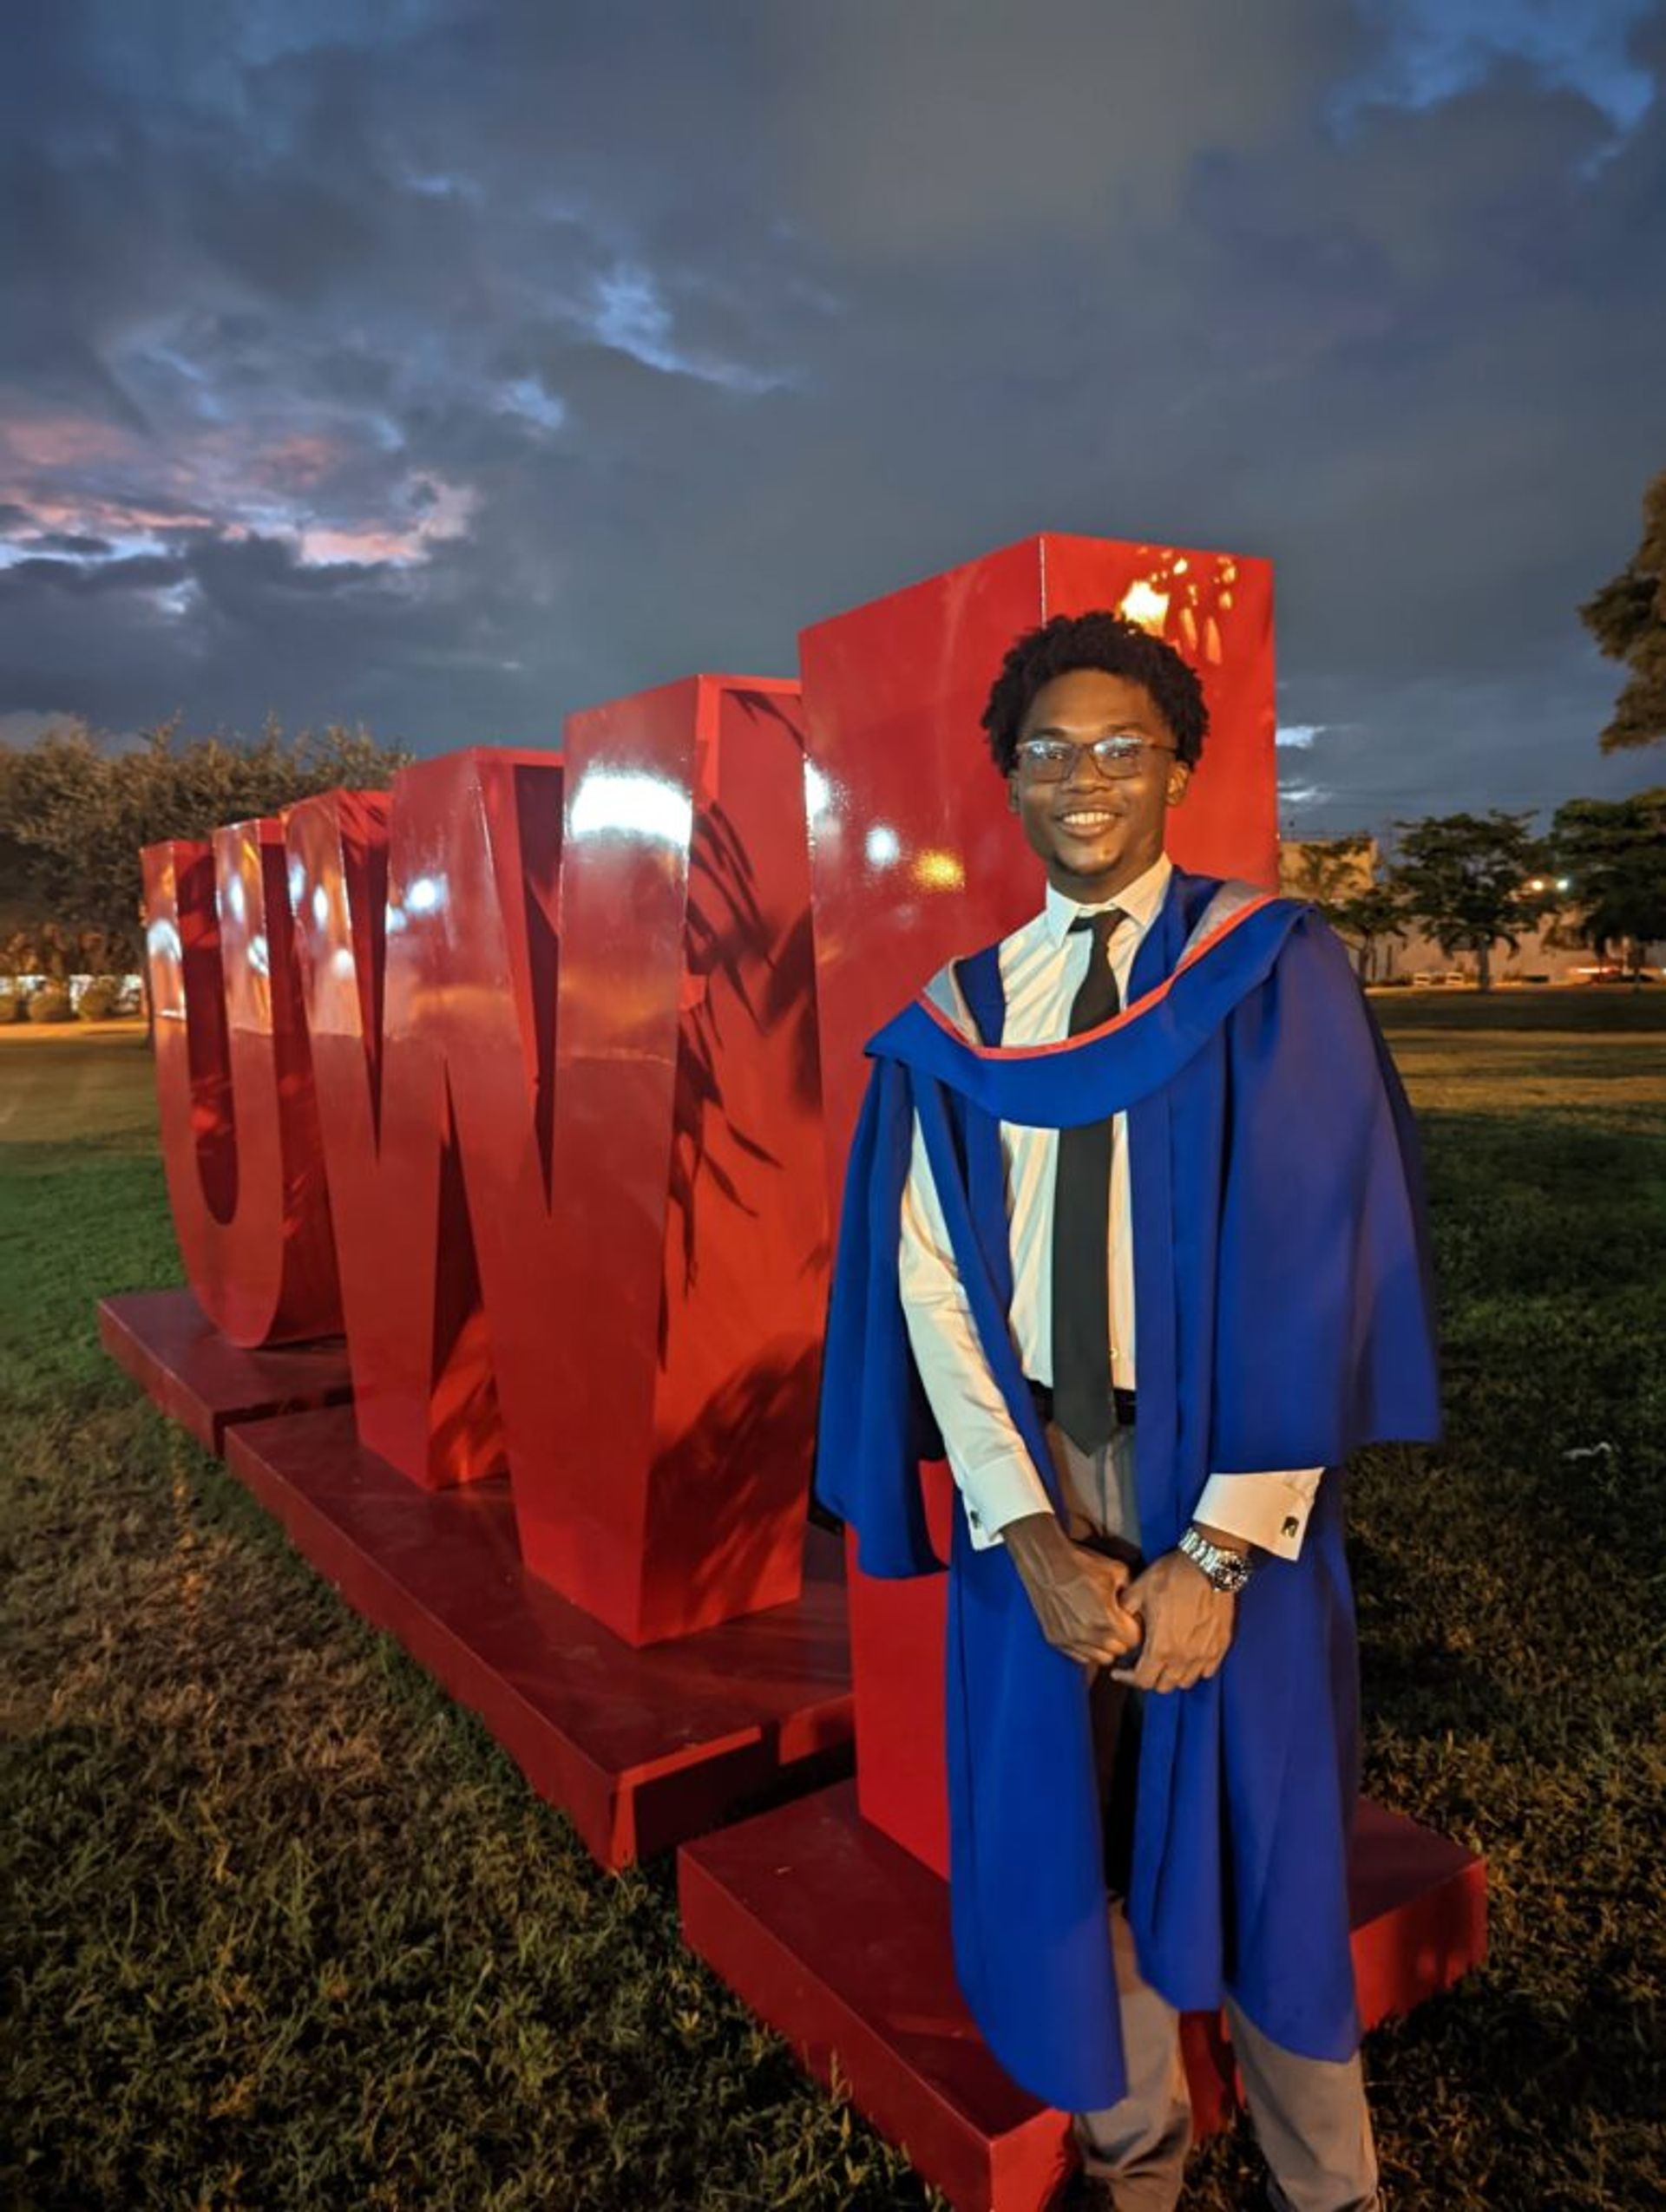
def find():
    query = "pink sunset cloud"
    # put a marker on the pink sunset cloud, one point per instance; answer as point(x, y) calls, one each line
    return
point(78, 476)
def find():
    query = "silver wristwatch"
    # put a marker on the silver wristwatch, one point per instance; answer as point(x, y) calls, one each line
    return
point(1228, 1571)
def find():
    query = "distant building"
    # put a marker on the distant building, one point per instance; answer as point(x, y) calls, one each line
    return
point(1327, 867)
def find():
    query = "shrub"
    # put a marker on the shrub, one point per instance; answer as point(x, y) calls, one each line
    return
point(14, 1004)
point(103, 999)
point(50, 1003)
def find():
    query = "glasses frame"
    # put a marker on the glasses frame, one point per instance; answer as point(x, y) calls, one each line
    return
point(1115, 745)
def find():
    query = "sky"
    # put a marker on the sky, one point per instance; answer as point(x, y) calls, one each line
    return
point(447, 365)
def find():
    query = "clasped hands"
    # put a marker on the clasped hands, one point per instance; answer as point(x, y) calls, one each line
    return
point(1097, 1610)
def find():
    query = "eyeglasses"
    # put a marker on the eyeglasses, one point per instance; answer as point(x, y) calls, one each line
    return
point(1050, 760)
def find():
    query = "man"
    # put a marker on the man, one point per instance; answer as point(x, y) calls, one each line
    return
point(1132, 1231)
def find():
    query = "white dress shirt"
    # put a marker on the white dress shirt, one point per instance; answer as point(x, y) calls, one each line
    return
point(1042, 967)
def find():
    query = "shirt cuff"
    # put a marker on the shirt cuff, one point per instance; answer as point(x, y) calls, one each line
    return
point(1004, 1491)
point(1270, 1510)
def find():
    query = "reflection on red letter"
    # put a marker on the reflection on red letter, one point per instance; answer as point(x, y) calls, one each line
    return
point(235, 1087)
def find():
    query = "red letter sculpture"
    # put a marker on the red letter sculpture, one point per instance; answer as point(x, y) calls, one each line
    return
point(915, 857)
point(239, 1126)
point(678, 1360)
point(582, 1221)
point(374, 958)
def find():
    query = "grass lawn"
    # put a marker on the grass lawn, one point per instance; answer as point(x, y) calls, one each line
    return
point(286, 1930)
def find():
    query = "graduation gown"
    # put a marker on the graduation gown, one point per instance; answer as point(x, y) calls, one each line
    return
point(1281, 1287)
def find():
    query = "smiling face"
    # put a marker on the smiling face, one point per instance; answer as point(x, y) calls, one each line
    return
point(1096, 832)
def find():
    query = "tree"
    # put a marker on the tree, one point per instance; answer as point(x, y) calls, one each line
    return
point(1613, 853)
point(1469, 879)
point(1365, 919)
point(1339, 876)
point(1328, 872)
point(74, 814)
point(1628, 619)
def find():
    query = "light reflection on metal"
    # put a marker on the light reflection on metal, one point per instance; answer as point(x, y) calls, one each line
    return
point(1144, 604)
point(819, 794)
point(629, 800)
point(1185, 599)
point(882, 846)
point(939, 871)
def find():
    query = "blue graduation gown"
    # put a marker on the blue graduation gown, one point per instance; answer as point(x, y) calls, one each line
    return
point(1281, 1287)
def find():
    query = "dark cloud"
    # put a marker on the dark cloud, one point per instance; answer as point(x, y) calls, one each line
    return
point(76, 544)
point(451, 366)
point(27, 582)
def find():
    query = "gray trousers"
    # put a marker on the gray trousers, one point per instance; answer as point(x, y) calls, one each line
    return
point(1309, 2115)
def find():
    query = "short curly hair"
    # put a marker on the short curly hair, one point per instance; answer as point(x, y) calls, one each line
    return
point(1104, 640)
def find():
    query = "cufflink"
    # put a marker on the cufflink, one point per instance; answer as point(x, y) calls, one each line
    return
point(1292, 1525)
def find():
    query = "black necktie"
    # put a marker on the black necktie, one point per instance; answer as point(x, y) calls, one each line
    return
point(1081, 1228)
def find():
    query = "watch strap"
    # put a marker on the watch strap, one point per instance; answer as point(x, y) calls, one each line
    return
point(1227, 1570)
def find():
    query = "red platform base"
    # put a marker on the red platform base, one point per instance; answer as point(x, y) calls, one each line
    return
point(205, 1382)
point(840, 1939)
point(640, 1749)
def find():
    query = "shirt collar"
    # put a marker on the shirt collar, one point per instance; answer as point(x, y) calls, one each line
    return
point(1140, 901)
